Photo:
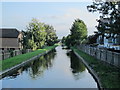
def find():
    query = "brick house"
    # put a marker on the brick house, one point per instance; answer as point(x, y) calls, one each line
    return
point(10, 38)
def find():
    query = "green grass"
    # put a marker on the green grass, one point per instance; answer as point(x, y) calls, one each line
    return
point(8, 63)
point(109, 75)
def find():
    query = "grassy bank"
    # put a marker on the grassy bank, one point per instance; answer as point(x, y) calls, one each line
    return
point(108, 74)
point(8, 63)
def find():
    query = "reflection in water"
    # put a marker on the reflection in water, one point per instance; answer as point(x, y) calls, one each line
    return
point(76, 65)
point(37, 67)
point(54, 70)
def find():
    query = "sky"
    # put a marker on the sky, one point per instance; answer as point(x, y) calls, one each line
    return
point(58, 14)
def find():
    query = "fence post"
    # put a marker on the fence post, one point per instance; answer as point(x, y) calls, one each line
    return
point(109, 57)
point(0, 55)
point(117, 59)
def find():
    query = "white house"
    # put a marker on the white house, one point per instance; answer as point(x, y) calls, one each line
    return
point(112, 42)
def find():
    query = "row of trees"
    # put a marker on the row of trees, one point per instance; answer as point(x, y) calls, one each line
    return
point(78, 34)
point(38, 35)
point(109, 22)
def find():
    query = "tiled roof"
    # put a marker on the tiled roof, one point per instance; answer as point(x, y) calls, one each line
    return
point(8, 33)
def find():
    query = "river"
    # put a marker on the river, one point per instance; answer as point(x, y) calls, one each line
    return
point(58, 69)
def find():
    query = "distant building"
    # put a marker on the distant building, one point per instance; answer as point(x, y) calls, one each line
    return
point(10, 38)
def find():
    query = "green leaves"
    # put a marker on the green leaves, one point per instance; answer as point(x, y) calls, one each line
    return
point(78, 31)
point(78, 34)
point(38, 35)
point(109, 21)
point(51, 37)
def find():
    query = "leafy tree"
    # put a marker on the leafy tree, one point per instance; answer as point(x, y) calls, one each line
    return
point(109, 21)
point(78, 32)
point(68, 41)
point(63, 39)
point(92, 39)
point(38, 35)
point(51, 37)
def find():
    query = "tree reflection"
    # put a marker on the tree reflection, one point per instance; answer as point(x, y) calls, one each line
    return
point(68, 53)
point(76, 65)
point(37, 67)
point(40, 65)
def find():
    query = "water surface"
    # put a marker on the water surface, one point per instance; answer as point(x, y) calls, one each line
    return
point(58, 69)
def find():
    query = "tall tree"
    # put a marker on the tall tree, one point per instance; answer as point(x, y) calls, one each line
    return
point(38, 35)
point(51, 37)
point(78, 32)
point(68, 40)
point(109, 21)
point(35, 36)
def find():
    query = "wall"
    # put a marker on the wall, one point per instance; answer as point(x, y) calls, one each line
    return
point(9, 43)
point(6, 54)
point(20, 39)
point(102, 54)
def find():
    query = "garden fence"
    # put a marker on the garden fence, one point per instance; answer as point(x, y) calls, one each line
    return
point(102, 54)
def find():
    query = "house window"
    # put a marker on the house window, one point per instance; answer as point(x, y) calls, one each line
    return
point(110, 40)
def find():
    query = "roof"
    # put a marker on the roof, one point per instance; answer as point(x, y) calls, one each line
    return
point(8, 33)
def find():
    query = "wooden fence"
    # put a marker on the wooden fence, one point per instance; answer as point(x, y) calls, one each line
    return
point(102, 54)
point(7, 54)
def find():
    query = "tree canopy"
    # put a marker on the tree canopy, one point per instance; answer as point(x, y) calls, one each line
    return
point(38, 35)
point(51, 37)
point(78, 33)
point(109, 21)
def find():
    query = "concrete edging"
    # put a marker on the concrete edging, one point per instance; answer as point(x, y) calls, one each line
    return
point(90, 70)
point(10, 70)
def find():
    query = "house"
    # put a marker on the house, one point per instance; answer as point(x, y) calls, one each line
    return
point(10, 39)
point(110, 43)
point(108, 40)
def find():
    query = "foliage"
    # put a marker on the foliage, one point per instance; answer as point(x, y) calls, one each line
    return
point(78, 33)
point(109, 21)
point(51, 37)
point(63, 39)
point(38, 35)
point(92, 39)
point(68, 41)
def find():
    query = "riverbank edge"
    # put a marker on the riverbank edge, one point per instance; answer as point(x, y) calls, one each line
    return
point(10, 70)
point(90, 70)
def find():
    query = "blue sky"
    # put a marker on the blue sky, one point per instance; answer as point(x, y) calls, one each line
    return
point(58, 14)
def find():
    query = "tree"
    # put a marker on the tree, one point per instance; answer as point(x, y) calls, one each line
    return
point(68, 41)
point(51, 37)
point(109, 21)
point(92, 39)
point(78, 32)
point(63, 39)
point(38, 35)
point(34, 37)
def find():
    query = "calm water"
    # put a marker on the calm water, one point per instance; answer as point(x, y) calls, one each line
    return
point(59, 69)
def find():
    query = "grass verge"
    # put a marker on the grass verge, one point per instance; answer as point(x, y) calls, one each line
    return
point(8, 63)
point(108, 74)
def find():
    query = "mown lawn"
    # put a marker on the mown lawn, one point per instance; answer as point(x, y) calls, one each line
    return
point(8, 63)
point(109, 75)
